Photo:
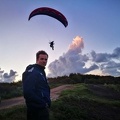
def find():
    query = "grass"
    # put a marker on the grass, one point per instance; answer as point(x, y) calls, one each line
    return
point(81, 104)
point(14, 113)
point(76, 104)
point(114, 87)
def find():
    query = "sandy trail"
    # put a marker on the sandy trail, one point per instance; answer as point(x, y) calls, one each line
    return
point(55, 92)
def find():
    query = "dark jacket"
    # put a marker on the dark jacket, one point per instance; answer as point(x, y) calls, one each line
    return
point(36, 90)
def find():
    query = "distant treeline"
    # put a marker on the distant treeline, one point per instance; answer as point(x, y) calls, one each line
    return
point(74, 78)
point(10, 90)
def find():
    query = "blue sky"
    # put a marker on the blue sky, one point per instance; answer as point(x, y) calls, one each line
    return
point(96, 21)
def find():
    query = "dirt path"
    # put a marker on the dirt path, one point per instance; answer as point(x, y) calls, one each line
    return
point(55, 92)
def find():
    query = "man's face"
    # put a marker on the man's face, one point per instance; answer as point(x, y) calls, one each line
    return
point(42, 60)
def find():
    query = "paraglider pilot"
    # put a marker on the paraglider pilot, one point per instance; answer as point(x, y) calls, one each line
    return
point(52, 45)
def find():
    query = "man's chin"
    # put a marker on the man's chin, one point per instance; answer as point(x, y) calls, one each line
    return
point(43, 65)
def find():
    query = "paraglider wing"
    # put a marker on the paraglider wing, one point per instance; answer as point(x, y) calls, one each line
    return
point(50, 12)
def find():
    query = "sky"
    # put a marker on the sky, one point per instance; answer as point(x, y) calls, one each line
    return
point(88, 45)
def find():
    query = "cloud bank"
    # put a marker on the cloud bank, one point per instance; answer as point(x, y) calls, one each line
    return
point(73, 61)
point(7, 77)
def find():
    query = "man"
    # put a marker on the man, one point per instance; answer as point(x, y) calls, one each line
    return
point(36, 89)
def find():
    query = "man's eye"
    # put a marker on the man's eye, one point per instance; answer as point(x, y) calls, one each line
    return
point(43, 59)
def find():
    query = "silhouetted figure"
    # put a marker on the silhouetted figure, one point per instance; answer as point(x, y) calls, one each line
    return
point(52, 45)
point(36, 89)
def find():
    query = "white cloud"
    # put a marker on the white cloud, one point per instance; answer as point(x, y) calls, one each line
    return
point(7, 77)
point(73, 61)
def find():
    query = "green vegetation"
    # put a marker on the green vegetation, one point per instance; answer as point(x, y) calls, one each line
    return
point(14, 113)
point(10, 90)
point(89, 79)
point(114, 87)
point(92, 98)
point(83, 102)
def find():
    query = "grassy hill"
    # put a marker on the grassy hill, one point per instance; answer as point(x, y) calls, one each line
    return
point(10, 90)
point(83, 102)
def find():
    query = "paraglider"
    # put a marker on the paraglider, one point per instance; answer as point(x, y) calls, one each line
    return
point(52, 45)
point(50, 12)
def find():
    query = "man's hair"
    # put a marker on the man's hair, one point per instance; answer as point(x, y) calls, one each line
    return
point(40, 52)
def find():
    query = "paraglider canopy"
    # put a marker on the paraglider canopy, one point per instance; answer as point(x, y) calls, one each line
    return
point(50, 12)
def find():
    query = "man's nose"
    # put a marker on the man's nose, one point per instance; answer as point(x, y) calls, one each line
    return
point(45, 60)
